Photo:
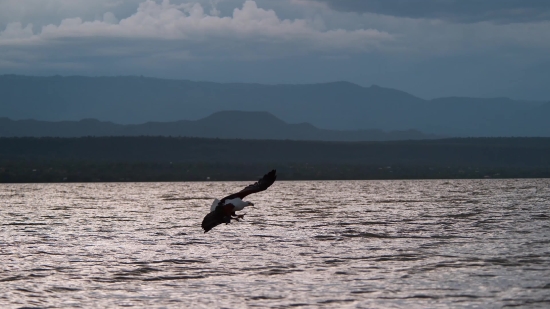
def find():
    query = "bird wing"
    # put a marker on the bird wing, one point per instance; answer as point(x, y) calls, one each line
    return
point(215, 204)
point(260, 185)
point(218, 216)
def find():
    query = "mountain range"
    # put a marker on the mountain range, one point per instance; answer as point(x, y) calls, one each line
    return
point(227, 124)
point(330, 106)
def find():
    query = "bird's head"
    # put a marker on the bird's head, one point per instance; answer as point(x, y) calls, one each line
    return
point(249, 204)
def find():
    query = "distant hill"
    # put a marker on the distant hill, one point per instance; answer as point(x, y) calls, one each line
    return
point(228, 124)
point(338, 105)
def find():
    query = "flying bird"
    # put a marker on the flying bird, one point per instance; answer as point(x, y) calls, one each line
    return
point(223, 211)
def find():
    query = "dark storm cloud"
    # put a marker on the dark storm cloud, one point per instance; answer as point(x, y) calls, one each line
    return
point(462, 11)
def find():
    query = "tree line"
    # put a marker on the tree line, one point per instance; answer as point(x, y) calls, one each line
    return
point(199, 159)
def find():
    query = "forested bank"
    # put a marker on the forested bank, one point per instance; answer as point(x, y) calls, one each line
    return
point(195, 159)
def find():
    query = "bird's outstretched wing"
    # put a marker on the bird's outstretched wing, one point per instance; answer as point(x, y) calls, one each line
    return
point(260, 185)
point(218, 216)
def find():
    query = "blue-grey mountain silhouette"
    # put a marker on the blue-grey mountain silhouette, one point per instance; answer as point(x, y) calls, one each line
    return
point(335, 106)
point(228, 124)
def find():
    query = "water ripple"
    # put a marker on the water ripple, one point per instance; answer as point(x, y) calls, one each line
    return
point(344, 244)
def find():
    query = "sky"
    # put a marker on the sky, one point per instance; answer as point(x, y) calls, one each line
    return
point(429, 48)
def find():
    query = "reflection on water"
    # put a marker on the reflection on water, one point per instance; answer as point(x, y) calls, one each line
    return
point(345, 244)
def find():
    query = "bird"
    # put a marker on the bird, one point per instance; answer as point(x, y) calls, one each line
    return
point(222, 211)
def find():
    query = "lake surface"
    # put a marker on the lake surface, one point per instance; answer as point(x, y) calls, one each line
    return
point(336, 244)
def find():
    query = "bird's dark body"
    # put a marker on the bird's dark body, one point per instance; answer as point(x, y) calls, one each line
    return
point(218, 216)
point(223, 212)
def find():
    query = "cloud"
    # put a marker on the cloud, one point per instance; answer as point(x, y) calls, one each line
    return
point(188, 24)
point(238, 29)
point(43, 12)
point(273, 41)
point(461, 11)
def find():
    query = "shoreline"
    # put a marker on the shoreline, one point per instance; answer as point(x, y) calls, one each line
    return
point(153, 159)
point(94, 172)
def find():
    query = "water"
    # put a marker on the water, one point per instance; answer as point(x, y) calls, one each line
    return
point(341, 244)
